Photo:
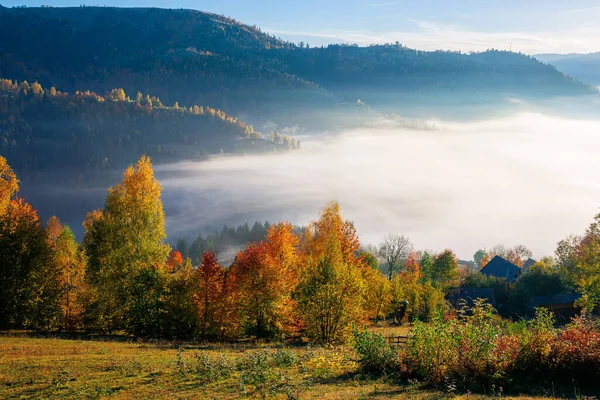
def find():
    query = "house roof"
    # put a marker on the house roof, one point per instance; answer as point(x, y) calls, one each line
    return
point(501, 268)
point(528, 264)
point(469, 294)
point(565, 298)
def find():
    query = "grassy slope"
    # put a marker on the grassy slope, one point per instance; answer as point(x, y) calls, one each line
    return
point(58, 368)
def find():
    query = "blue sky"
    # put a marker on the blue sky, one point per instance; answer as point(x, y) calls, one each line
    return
point(529, 26)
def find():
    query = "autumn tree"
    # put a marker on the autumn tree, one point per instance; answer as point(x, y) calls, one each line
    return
point(567, 257)
point(266, 275)
point(370, 256)
point(332, 289)
point(29, 290)
point(175, 261)
point(394, 249)
point(123, 240)
point(377, 294)
point(411, 273)
point(207, 298)
point(180, 317)
point(516, 255)
point(479, 257)
point(444, 272)
point(70, 261)
point(587, 274)
point(9, 185)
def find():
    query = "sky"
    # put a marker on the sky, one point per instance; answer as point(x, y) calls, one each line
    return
point(528, 26)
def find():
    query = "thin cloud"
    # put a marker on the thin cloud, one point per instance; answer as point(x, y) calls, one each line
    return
point(581, 10)
point(429, 35)
point(389, 3)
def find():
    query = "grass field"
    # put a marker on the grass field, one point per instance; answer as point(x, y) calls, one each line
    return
point(62, 368)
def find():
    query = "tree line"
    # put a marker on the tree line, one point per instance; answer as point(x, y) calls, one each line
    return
point(123, 277)
point(45, 128)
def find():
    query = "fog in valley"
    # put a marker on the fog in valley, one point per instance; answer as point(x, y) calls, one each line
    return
point(530, 179)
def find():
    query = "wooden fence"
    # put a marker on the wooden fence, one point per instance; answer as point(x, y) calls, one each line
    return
point(397, 340)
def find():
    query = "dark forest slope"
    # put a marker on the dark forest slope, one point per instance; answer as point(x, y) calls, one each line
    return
point(44, 128)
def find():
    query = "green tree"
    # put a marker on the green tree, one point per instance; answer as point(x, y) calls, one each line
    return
point(147, 303)
point(122, 240)
point(444, 273)
point(426, 266)
point(587, 275)
point(478, 257)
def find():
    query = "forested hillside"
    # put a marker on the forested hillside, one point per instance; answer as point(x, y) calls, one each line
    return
point(195, 57)
point(44, 128)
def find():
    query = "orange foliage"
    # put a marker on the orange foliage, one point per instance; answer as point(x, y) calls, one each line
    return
point(329, 225)
point(53, 229)
point(265, 276)
point(208, 295)
point(485, 260)
point(412, 270)
point(175, 261)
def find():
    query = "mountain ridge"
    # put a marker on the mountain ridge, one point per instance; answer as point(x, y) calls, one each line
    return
point(196, 57)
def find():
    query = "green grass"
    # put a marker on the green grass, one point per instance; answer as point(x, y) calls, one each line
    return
point(61, 368)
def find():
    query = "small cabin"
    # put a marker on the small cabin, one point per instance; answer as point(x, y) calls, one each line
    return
point(562, 305)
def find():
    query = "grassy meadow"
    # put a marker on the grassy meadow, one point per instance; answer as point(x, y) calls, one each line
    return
point(33, 367)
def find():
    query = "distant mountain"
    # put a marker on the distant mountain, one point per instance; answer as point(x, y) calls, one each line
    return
point(71, 76)
point(585, 67)
point(196, 57)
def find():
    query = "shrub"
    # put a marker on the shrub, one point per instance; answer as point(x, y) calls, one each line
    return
point(575, 352)
point(208, 370)
point(254, 367)
point(429, 350)
point(478, 351)
point(375, 354)
point(460, 350)
point(284, 357)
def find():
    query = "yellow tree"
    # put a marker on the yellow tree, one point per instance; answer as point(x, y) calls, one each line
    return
point(587, 273)
point(71, 262)
point(123, 240)
point(378, 294)
point(332, 289)
point(9, 184)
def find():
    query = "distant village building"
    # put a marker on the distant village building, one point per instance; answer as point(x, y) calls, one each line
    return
point(527, 265)
point(501, 268)
point(562, 305)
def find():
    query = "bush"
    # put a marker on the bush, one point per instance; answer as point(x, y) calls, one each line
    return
point(460, 350)
point(375, 354)
point(284, 357)
point(208, 370)
point(255, 367)
point(575, 352)
point(477, 351)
